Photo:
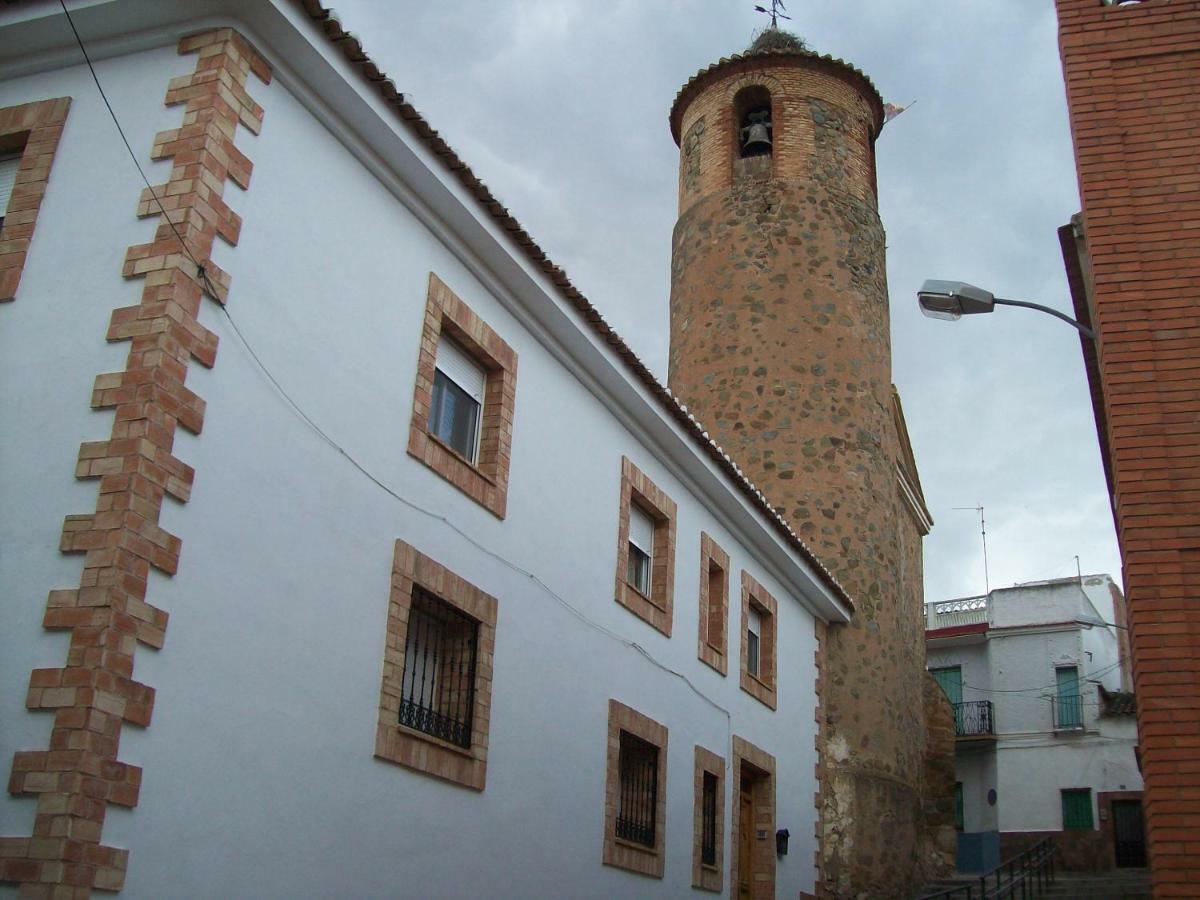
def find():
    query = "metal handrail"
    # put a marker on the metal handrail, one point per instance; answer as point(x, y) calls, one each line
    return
point(1025, 876)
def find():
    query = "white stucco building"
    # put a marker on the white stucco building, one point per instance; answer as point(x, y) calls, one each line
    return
point(1039, 677)
point(460, 599)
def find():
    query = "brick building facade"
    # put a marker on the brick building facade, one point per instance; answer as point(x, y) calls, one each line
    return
point(1133, 92)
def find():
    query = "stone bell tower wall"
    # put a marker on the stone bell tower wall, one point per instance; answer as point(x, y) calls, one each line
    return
point(780, 346)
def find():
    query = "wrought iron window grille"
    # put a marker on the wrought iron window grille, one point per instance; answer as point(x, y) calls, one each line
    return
point(637, 809)
point(438, 683)
point(708, 825)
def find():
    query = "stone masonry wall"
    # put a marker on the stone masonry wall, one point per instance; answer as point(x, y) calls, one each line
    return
point(780, 346)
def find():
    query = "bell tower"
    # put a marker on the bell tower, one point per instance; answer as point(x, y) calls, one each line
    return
point(780, 346)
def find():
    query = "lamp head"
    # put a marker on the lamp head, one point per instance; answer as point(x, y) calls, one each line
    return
point(953, 299)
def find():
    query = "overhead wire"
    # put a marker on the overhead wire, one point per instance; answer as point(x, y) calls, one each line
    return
point(299, 411)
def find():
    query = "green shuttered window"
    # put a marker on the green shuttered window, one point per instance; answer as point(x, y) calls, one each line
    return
point(1077, 808)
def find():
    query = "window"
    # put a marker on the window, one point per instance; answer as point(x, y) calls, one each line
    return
point(758, 640)
point(714, 604)
point(458, 385)
point(435, 700)
point(753, 639)
point(8, 175)
point(29, 136)
point(641, 550)
point(1077, 809)
point(959, 818)
point(438, 681)
point(645, 583)
point(464, 400)
point(635, 792)
point(638, 765)
point(1068, 705)
point(708, 846)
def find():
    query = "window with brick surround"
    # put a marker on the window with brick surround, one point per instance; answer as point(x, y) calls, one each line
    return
point(435, 700)
point(758, 629)
point(714, 605)
point(645, 583)
point(464, 400)
point(635, 807)
point(29, 136)
point(708, 825)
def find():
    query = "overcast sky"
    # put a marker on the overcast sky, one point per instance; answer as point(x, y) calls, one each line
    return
point(561, 107)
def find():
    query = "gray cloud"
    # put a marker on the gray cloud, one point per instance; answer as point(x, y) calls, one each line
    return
point(561, 107)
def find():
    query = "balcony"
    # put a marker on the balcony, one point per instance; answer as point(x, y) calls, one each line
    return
point(974, 720)
point(956, 613)
point(1068, 713)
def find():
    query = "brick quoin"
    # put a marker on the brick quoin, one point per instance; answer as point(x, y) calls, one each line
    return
point(108, 615)
point(1133, 93)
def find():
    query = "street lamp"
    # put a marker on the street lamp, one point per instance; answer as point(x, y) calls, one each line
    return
point(955, 299)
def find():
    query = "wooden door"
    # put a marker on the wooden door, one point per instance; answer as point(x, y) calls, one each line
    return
point(745, 839)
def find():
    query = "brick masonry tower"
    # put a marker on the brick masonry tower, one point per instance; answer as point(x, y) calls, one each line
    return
point(780, 346)
point(1133, 259)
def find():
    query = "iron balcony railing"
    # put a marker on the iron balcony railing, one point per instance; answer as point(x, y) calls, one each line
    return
point(974, 718)
point(1068, 712)
point(1027, 876)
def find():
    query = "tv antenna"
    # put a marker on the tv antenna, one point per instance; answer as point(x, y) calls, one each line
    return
point(774, 12)
point(982, 533)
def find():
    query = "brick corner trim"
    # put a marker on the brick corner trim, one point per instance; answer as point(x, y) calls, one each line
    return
point(638, 490)
point(623, 854)
point(94, 695)
point(485, 482)
point(32, 130)
point(466, 766)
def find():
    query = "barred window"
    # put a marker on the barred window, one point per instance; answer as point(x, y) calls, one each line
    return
point(439, 670)
point(708, 814)
point(638, 802)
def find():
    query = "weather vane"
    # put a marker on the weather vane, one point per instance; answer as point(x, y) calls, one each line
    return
point(774, 12)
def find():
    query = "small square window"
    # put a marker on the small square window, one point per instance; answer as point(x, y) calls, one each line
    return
point(458, 387)
point(438, 680)
point(759, 610)
point(435, 698)
point(464, 400)
point(645, 582)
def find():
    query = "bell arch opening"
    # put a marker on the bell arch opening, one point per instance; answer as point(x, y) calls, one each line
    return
point(754, 122)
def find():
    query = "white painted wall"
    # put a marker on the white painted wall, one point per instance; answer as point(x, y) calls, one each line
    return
point(1035, 628)
point(259, 778)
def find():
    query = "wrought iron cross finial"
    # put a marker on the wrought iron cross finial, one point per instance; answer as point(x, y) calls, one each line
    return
point(775, 12)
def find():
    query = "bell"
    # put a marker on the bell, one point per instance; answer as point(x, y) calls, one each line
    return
point(758, 139)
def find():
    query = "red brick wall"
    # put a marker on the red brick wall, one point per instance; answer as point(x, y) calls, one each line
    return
point(1133, 90)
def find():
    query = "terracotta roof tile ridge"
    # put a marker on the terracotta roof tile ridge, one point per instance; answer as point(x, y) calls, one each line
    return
point(353, 50)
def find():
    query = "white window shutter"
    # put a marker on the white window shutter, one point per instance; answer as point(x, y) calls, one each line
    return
point(459, 367)
point(754, 622)
point(8, 175)
point(641, 530)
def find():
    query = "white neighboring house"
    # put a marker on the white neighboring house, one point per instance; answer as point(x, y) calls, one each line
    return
point(1046, 735)
point(440, 624)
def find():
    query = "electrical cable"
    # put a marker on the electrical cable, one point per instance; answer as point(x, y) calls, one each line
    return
point(200, 271)
point(203, 275)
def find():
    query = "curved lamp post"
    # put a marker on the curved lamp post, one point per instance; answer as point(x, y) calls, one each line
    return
point(955, 299)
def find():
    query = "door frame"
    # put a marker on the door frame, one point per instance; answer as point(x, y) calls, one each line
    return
point(758, 768)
